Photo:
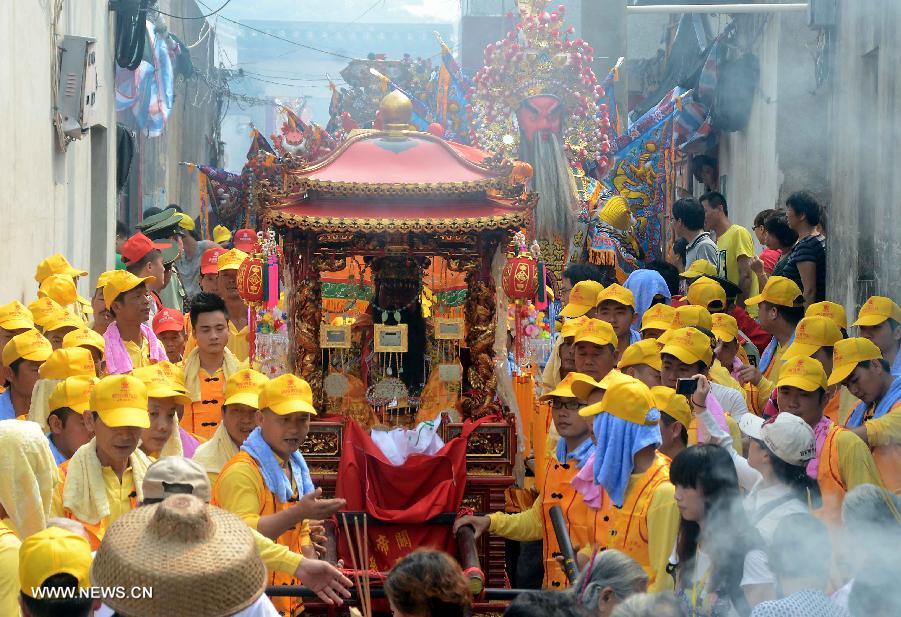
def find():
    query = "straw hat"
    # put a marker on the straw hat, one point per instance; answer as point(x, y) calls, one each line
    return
point(200, 561)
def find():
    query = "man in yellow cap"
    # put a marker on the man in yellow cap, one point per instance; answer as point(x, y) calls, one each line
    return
point(15, 319)
point(708, 293)
point(830, 310)
point(68, 402)
point(616, 306)
point(731, 356)
point(691, 316)
point(59, 326)
point(688, 354)
point(222, 235)
point(641, 360)
point(879, 320)
point(102, 316)
point(635, 477)
point(595, 348)
point(574, 274)
point(675, 420)
point(55, 561)
point(781, 309)
point(56, 264)
point(815, 338)
point(562, 360)
point(843, 460)
point(697, 269)
point(43, 310)
point(22, 357)
point(188, 264)
point(229, 263)
point(129, 342)
point(586, 524)
point(859, 365)
point(61, 289)
point(267, 484)
point(656, 320)
point(164, 402)
point(242, 393)
point(582, 299)
point(102, 481)
point(208, 365)
point(90, 340)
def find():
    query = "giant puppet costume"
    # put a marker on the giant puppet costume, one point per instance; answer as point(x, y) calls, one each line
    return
point(536, 99)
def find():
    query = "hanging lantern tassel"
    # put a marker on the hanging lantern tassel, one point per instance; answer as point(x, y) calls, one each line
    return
point(517, 333)
point(252, 335)
point(272, 291)
point(541, 295)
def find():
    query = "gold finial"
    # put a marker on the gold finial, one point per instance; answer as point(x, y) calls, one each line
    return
point(396, 111)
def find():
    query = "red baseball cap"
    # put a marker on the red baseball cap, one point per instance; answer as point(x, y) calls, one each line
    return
point(168, 320)
point(209, 261)
point(245, 239)
point(135, 248)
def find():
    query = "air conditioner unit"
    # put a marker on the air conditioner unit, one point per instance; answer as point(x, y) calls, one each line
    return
point(77, 94)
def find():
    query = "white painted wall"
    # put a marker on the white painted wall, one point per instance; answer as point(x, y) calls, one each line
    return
point(46, 200)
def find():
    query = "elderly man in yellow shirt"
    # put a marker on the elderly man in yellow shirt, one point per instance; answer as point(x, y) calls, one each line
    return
point(242, 400)
point(129, 342)
point(781, 309)
point(587, 526)
point(102, 480)
point(843, 460)
point(644, 517)
point(859, 364)
point(268, 485)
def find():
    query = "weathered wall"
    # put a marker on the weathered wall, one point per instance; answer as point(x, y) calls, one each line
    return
point(52, 201)
point(864, 248)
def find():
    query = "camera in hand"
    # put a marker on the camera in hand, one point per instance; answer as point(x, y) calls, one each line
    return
point(686, 386)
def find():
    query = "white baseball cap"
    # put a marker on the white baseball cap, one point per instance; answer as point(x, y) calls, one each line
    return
point(787, 436)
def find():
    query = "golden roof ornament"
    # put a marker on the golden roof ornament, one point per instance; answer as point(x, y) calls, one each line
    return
point(396, 110)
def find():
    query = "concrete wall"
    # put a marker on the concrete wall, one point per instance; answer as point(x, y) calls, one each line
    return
point(52, 201)
point(866, 147)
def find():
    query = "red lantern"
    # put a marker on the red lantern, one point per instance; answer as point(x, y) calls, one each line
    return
point(250, 280)
point(520, 277)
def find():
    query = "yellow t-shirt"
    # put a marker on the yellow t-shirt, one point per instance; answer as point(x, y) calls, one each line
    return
point(276, 557)
point(9, 571)
point(140, 356)
point(238, 343)
point(735, 243)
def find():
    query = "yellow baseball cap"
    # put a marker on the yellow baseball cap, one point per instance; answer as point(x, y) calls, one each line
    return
point(699, 267)
point(582, 385)
point(56, 264)
point(614, 376)
point(847, 354)
point(627, 399)
point(175, 374)
point(68, 362)
point(689, 345)
point(692, 315)
point(84, 337)
point(705, 291)
point(29, 345)
point(596, 331)
point(43, 310)
point(121, 400)
point(658, 317)
point(832, 310)
point(571, 326)
point(158, 385)
point(103, 279)
point(60, 288)
point(53, 551)
point(812, 333)
point(121, 281)
point(73, 392)
point(724, 327)
point(64, 319)
point(564, 388)
point(221, 234)
point(802, 372)
point(616, 293)
point(231, 260)
point(244, 387)
point(672, 404)
point(15, 316)
point(780, 291)
point(646, 351)
point(185, 221)
point(287, 394)
point(582, 298)
point(876, 310)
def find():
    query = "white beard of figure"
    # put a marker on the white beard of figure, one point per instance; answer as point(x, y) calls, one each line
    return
point(552, 179)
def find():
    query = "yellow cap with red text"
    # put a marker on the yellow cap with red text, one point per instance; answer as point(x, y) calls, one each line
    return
point(613, 377)
point(231, 260)
point(121, 400)
point(847, 354)
point(15, 316)
point(689, 345)
point(707, 293)
point(287, 394)
point(658, 317)
point(582, 298)
point(72, 392)
point(672, 404)
point(616, 293)
point(627, 399)
point(68, 362)
point(120, 282)
point(646, 351)
point(596, 331)
point(159, 385)
point(876, 310)
point(84, 337)
point(699, 267)
point(802, 372)
point(243, 388)
point(780, 291)
point(811, 334)
point(831, 310)
point(30, 345)
point(724, 327)
point(692, 315)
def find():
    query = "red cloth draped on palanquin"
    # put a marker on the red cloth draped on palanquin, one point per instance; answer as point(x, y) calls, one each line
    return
point(404, 497)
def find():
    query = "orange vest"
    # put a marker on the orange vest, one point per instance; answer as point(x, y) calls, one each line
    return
point(629, 527)
point(832, 408)
point(291, 538)
point(829, 477)
point(97, 530)
point(587, 527)
point(202, 417)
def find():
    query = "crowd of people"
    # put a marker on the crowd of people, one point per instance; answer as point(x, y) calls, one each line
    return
point(723, 442)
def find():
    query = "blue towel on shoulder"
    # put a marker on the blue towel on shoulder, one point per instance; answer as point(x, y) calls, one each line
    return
point(277, 481)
